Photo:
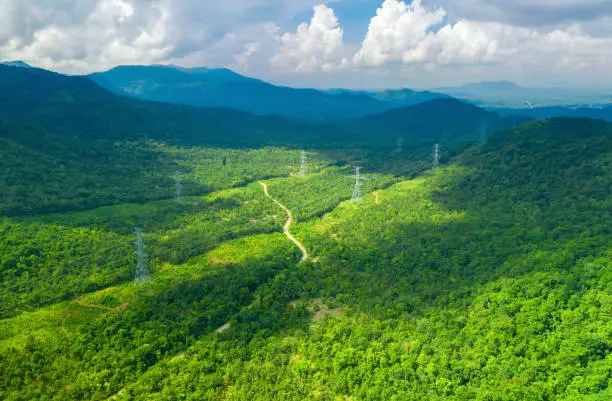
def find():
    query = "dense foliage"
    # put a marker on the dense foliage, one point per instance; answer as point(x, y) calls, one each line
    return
point(44, 173)
point(486, 280)
point(440, 120)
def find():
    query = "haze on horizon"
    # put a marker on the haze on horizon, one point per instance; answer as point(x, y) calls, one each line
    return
point(351, 44)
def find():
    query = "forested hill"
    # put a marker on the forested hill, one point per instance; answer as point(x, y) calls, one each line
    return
point(77, 106)
point(67, 131)
point(203, 87)
point(553, 164)
point(439, 120)
point(487, 280)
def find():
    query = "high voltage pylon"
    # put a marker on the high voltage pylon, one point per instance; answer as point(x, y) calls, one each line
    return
point(142, 272)
point(357, 191)
point(436, 162)
point(303, 169)
point(179, 186)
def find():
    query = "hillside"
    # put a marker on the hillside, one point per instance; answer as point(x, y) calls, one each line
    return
point(488, 279)
point(203, 87)
point(440, 120)
point(67, 131)
point(77, 106)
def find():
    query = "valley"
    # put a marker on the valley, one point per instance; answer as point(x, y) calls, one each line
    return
point(486, 279)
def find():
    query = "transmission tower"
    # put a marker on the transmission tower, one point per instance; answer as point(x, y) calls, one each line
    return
point(400, 143)
point(436, 162)
point(179, 187)
point(142, 272)
point(303, 170)
point(357, 191)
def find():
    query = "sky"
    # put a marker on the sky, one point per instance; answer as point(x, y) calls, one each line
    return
point(323, 44)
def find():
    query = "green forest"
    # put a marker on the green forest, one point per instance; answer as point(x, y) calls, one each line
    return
point(488, 279)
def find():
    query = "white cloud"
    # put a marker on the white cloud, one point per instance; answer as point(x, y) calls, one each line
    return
point(397, 30)
point(89, 35)
point(318, 45)
point(414, 35)
point(110, 32)
point(406, 43)
point(411, 33)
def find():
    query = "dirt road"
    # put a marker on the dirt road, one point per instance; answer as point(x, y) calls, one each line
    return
point(287, 225)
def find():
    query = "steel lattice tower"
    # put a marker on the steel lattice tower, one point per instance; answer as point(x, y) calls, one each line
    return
point(142, 272)
point(303, 170)
point(436, 162)
point(357, 191)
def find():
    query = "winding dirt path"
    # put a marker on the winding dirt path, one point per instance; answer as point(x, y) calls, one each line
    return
point(287, 225)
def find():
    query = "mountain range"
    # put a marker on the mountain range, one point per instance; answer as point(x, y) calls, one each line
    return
point(221, 87)
point(71, 105)
point(202, 87)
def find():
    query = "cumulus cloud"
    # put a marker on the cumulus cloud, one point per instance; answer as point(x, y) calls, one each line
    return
point(427, 39)
point(89, 35)
point(318, 45)
point(397, 29)
point(414, 34)
point(95, 34)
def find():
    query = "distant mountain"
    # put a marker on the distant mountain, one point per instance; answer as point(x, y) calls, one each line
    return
point(77, 106)
point(440, 120)
point(489, 91)
point(16, 63)
point(493, 86)
point(597, 113)
point(504, 94)
point(407, 97)
point(395, 97)
point(203, 87)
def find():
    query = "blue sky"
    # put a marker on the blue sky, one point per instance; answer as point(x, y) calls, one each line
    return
point(355, 16)
point(348, 43)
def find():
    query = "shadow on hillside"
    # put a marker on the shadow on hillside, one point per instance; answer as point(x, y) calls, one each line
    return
point(166, 318)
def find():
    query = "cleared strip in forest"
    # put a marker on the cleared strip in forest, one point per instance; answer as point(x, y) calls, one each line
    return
point(287, 225)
